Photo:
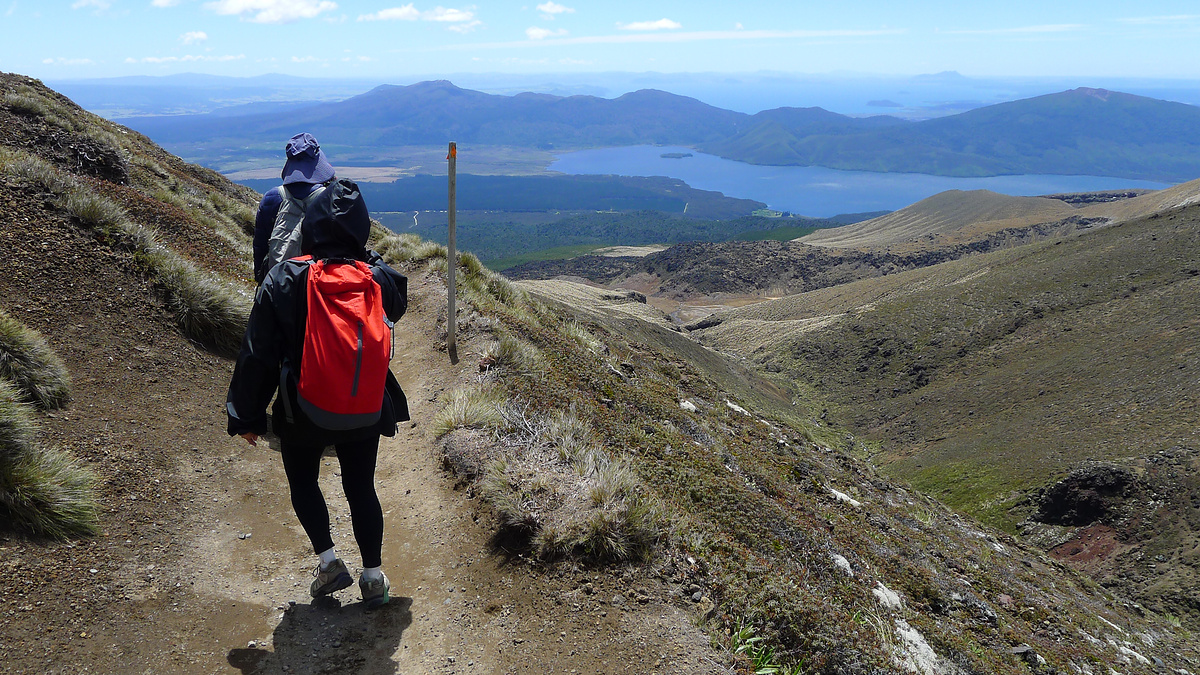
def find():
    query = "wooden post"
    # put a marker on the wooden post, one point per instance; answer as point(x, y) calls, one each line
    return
point(451, 258)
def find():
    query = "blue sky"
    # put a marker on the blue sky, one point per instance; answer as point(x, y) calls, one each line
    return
point(386, 39)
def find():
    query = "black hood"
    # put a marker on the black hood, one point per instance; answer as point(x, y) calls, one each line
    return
point(337, 224)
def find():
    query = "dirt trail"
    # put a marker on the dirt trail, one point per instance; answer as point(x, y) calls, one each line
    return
point(457, 607)
point(200, 556)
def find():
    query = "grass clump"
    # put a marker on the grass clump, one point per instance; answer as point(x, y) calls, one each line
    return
point(43, 491)
point(28, 361)
point(563, 492)
point(24, 104)
point(511, 352)
point(476, 408)
point(744, 643)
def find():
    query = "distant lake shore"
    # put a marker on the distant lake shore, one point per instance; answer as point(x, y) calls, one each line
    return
point(816, 191)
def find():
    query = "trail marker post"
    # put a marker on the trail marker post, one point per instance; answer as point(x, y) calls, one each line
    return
point(451, 257)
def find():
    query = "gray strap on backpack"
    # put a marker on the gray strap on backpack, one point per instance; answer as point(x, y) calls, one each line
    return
point(287, 234)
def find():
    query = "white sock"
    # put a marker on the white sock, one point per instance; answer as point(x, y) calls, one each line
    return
point(327, 558)
point(372, 573)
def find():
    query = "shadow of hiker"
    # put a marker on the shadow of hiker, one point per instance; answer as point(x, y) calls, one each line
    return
point(329, 637)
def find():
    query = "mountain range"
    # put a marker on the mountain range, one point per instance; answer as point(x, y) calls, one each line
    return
point(1082, 131)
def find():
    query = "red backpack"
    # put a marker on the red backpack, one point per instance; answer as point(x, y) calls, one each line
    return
point(347, 346)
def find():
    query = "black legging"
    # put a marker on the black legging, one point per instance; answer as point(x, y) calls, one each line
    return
point(302, 463)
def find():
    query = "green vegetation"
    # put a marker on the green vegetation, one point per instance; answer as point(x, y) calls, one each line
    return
point(43, 491)
point(508, 238)
point(557, 253)
point(28, 361)
point(743, 642)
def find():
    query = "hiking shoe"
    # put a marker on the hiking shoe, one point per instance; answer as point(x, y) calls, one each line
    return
point(374, 591)
point(334, 578)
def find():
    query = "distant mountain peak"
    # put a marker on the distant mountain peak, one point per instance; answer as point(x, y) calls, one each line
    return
point(1101, 94)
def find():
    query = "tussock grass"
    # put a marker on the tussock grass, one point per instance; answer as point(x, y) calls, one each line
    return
point(474, 408)
point(28, 361)
point(579, 333)
point(25, 104)
point(567, 495)
point(206, 309)
point(97, 212)
point(511, 352)
point(43, 491)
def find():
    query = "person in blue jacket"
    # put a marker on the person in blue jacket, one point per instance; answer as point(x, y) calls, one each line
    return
point(336, 226)
point(306, 168)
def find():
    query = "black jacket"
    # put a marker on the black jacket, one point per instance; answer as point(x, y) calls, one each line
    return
point(335, 227)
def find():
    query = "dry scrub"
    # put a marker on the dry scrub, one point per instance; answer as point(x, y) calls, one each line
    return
point(28, 361)
point(208, 309)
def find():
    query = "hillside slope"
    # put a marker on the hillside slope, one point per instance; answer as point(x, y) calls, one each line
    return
point(1082, 131)
point(622, 531)
point(951, 211)
point(984, 379)
point(955, 218)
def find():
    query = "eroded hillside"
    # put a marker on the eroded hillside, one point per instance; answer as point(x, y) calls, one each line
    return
point(623, 497)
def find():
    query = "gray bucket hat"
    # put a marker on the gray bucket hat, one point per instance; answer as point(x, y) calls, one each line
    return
point(306, 163)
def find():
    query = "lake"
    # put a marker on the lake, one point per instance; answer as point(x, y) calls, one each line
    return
point(816, 191)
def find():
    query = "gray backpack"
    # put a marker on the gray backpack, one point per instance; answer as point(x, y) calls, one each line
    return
point(285, 236)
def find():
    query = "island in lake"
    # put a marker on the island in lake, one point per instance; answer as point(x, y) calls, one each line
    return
point(675, 155)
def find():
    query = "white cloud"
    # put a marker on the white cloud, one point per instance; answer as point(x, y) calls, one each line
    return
point(11, 8)
point(271, 11)
point(305, 59)
point(448, 14)
point(99, 5)
point(164, 3)
point(193, 36)
point(405, 13)
point(538, 33)
point(738, 26)
point(60, 61)
point(465, 27)
point(463, 19)
point(661, 24)
point(1022, 30)
point(550, 9)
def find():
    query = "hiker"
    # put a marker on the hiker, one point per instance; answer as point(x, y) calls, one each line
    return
point(276, 224)
point(345, 398)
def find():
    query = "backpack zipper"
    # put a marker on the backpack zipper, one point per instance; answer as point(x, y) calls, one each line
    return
point(358, 360)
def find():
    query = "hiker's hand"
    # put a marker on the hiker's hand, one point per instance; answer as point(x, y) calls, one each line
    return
point(250, 437)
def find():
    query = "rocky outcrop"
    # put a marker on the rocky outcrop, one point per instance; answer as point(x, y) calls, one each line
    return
point(1088, 495)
